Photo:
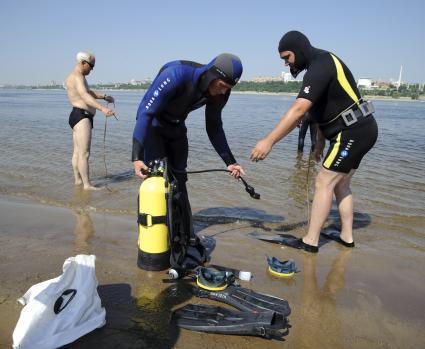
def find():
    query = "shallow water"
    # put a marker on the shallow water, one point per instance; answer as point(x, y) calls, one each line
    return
point(389, 188)
point(367, 297)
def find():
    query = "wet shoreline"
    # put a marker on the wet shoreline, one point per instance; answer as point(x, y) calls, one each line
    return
point(342, 298)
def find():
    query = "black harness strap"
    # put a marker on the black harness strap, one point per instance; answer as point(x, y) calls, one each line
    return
point(142, 219)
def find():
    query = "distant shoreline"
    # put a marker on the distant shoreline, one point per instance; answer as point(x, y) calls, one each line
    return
point(288, 94)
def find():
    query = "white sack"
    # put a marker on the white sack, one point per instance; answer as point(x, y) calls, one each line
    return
point(59, 311)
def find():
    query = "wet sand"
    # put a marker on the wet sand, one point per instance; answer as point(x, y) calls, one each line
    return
point(360, 298)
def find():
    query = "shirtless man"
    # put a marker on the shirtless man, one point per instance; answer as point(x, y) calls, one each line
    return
point(83, 101)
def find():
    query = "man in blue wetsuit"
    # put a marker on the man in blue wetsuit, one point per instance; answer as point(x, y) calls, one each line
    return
point(179, 88)
point(329, 93)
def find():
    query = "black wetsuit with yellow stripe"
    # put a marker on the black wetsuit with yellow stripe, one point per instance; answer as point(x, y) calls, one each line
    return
point(331, 87)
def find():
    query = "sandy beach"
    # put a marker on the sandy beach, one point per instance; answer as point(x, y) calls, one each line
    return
point(342, 298)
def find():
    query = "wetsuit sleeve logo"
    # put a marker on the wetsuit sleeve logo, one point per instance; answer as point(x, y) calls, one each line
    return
point(157, 92)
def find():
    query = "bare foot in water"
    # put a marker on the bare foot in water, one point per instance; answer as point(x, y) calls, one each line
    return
point(90, 187)
point(78, 182)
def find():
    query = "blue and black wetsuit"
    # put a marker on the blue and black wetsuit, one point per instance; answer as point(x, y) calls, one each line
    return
point(179, 88)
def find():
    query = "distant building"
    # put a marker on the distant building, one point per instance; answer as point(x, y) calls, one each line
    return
point(365, 83)
point(286, 77)
point(135, 82)
point(266, 78)
point(383, 85)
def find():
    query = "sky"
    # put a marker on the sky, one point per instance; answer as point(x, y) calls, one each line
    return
point(133, 39)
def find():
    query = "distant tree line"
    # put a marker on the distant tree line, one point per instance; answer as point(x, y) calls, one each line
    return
point(413, 91)
point(140, 86)
point(269, 86)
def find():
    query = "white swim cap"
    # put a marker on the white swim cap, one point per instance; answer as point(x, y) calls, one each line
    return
point(85, 56)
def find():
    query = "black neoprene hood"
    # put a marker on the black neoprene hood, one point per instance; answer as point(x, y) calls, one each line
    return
point(298, 43)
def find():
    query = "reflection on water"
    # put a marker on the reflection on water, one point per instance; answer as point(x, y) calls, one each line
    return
point(155, 309)
point(318, 310)
point(301, 181)
point(81, 198)
point(84, 228)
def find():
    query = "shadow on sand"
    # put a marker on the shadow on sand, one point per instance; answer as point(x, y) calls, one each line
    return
point(136, 322)
point(333, 225)
point(227, 215)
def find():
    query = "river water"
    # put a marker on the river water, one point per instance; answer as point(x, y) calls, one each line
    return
point(389, 187)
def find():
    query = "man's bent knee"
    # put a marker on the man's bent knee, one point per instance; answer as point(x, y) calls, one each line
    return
point(327, 179)
point(343, 186)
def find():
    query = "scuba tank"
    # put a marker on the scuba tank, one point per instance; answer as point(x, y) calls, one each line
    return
point(153, 242)
point(166, 237)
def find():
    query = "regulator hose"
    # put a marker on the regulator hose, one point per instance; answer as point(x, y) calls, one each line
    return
point(249, 189)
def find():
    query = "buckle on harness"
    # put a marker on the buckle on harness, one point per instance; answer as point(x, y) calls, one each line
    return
point(349, 117)
point(144, 220)
point(367, 108)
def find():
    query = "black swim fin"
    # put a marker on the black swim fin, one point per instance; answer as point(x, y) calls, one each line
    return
point(246, 300)
point(332, 234)
point(214, 319)
point(286, 240)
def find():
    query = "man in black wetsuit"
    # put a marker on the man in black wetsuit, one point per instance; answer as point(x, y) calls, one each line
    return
point(306, 123)
point(330, 94)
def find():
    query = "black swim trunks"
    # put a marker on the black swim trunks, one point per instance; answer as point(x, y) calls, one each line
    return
point(348, 147)
point(77, 114)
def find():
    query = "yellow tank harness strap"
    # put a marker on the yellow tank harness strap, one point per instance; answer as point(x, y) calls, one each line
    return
point(148, 220)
